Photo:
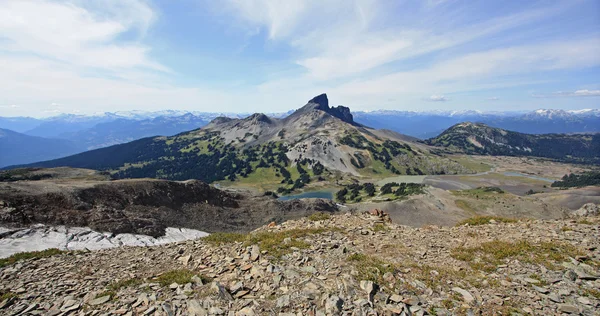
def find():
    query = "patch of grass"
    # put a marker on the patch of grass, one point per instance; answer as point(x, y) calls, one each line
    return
point(483, 220)
point(591, 293)
point(30, 255)
point(380, 228)
point(110, 293)
point(370, 268)
point(4, 295)
point(472, 164)
point(218, 239)
point(566, 229)
point(180, 276)
point(584, 222)
point(319, 216)
point(465, 206)
point(491, 254)
point(538, 277)
point(277, 244)
point(116, 286)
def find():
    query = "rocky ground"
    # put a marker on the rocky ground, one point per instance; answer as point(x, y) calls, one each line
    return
point(347, 264)
point(139, 206)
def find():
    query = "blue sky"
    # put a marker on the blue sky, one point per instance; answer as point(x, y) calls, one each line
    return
point(83, 56)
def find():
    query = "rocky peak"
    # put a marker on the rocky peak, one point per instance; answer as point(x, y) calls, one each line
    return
point(321, 103)
point(258, 117)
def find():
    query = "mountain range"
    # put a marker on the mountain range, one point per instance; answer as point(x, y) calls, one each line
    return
point(80, 132)
point(316, 143)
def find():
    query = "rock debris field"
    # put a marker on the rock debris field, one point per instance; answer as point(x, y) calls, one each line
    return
point(347, 264)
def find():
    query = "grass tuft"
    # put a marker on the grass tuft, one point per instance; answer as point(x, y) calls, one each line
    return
point(30, 255)
point(484, 220)
point(116, 286)
point(380, 228)
point(4, 295)
point(319, 216)
point(219, 239)
point(277, 244)
point(491, 254)
point(370, 268)
point(180, 276)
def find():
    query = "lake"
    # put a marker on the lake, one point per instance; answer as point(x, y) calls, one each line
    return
point(309, 195)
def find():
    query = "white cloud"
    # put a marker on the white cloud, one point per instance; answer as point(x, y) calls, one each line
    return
point(437, 98)
point(339, 38)
point(74, 35)
point(10, 106)
point(577, 93)
point(493, 99)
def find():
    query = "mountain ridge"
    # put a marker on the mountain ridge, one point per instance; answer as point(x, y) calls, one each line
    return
point(479, 138)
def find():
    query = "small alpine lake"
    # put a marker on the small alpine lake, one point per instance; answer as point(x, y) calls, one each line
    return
point(322, 194)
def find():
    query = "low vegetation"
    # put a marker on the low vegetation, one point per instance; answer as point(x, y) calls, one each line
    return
point(370, 268)
point(5, 295)
point(281, 243)
point(354, 193)
point(489, 255)
point(218, 239)
point(179, 276)
point(484, 220)
point(117, 285)
point(276, 244)
point(578, 180)
point(30, 255)
point(319, 216)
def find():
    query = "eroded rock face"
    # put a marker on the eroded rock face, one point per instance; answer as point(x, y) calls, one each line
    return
point(589, 209)
point(145, 207)
point(342, 265)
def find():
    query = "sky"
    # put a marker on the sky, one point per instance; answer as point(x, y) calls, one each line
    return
point(91, 56)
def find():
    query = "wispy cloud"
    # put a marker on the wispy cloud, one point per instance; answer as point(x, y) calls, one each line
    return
point(577, 93)
point(493, 99)
point(340, 38)
point(10, 106)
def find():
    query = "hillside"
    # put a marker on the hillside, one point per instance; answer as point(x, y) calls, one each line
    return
point(17, 148)
point(478, 138)
point(324, 265)
point(314, 143)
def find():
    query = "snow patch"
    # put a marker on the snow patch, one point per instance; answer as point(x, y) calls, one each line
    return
point(41, 237)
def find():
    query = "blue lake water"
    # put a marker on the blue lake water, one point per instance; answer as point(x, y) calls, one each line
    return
point(516, 174)
point(309, 195)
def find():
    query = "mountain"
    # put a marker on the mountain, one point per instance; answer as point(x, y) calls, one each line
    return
point(67, 123)
point(478, 138)
point(429, 124)
point(17, 148)
point(314, 143)
point(124, 130)
point(19, 124)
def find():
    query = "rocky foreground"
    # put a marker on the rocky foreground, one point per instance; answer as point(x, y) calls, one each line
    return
point(326, 265)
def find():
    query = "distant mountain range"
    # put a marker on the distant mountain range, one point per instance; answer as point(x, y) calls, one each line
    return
point(430, 124)
point(96, 131)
